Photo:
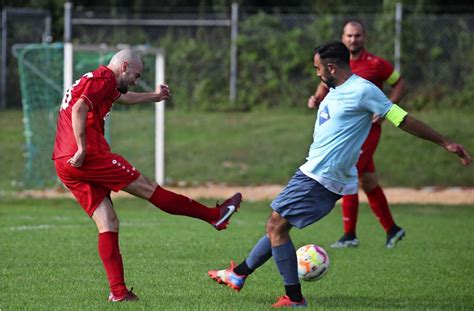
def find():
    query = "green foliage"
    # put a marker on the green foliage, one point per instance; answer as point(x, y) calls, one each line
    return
point(437, 60)
point(275, 65)
point(50, 260)
point(197, 71)
point(275, 62)
point(464, 97)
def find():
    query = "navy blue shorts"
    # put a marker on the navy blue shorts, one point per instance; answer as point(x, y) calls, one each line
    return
point(304, 201)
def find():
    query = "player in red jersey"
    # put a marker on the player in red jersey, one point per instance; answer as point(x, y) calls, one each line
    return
point(377, 70)
point(86, 166)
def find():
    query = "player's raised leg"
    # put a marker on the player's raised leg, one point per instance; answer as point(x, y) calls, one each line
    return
point(108, 245)
point(177, 204)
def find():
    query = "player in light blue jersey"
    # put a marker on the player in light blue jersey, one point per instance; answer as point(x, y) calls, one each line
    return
point(344, 120)
point(342, 124)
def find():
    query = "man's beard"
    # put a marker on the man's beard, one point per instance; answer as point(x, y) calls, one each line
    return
point(329, 82)
point(122, 89)
point(355, 49)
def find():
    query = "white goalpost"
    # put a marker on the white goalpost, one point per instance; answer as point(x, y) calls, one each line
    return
point(160, 122)
point(159, 56)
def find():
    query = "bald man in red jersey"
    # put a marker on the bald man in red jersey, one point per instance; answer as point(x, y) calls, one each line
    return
point(88, 168)
point(378, 71)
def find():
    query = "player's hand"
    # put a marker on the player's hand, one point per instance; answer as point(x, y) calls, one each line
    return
point(313, 103)
point(163, 92)
point(462, 153)
point(377, 119)
point(77, 158)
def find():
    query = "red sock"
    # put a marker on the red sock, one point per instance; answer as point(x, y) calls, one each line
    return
point(379, 205)
point(109, 252)
point(177, 204)
point(350, 208)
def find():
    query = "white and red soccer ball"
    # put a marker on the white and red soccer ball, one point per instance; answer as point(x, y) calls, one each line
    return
point(313, 262)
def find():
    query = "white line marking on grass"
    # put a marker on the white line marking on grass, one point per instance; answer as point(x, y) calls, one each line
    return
point(42, 227)
point(28, 227)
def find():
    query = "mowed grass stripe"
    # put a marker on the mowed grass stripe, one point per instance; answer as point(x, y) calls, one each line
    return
point(261, 147)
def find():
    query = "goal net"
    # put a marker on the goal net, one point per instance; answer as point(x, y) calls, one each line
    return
point(44, 76)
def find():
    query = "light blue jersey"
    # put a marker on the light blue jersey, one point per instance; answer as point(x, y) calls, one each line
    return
point(343, 122)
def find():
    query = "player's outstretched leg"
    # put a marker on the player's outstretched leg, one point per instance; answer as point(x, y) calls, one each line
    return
point(228, 277)
point(227, 209)
point(178, 204)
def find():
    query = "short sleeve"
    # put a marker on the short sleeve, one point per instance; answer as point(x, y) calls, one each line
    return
point(94, 92)
point(375, 101)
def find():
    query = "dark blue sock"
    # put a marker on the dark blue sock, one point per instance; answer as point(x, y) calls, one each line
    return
point(261, 252)
point(285, 258)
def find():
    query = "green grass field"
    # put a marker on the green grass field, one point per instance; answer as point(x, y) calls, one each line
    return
point(49, 260)
point(255, 148)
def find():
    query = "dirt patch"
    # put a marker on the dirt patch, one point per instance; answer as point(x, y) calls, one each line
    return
point(427, 195)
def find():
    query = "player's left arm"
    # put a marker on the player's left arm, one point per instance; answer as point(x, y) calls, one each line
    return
point(132, 98)
point(409, 124)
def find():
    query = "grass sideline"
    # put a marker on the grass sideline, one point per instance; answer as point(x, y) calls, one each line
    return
point(258, 147)
point(50, 262)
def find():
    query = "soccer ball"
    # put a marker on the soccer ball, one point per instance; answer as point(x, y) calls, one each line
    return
point(313, 262)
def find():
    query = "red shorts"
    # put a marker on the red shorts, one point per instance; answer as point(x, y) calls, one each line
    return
point(365, 164)
point(98, 175)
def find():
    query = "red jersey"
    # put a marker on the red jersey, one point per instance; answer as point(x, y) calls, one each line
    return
point(375, 69)
point(99, 91)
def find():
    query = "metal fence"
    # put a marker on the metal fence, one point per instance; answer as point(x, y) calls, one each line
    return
point(19, 25)
point(239, 57)
point(433, 52)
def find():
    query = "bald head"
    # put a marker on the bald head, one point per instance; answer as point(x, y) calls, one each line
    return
point(354, 23)
point(125, 55)
point(127, 67)
point(353, 36)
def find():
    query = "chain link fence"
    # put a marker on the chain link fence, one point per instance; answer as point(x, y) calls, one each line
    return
point(274, 51)
point(19, 25)
point(197, 47)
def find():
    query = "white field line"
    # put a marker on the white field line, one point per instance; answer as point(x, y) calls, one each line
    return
point(41, 227)
point(56, 226)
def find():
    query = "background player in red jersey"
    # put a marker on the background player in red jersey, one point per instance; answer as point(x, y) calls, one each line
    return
point(86, 166)
point(377, 70)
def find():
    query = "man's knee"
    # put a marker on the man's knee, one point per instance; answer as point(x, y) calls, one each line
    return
point(105, 217)
point(141, 187)
point(369, 181)
point(277, 229)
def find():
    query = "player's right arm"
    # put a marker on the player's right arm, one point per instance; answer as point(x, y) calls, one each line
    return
point(398, 90)
point(321, 92)
point(78, 117)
